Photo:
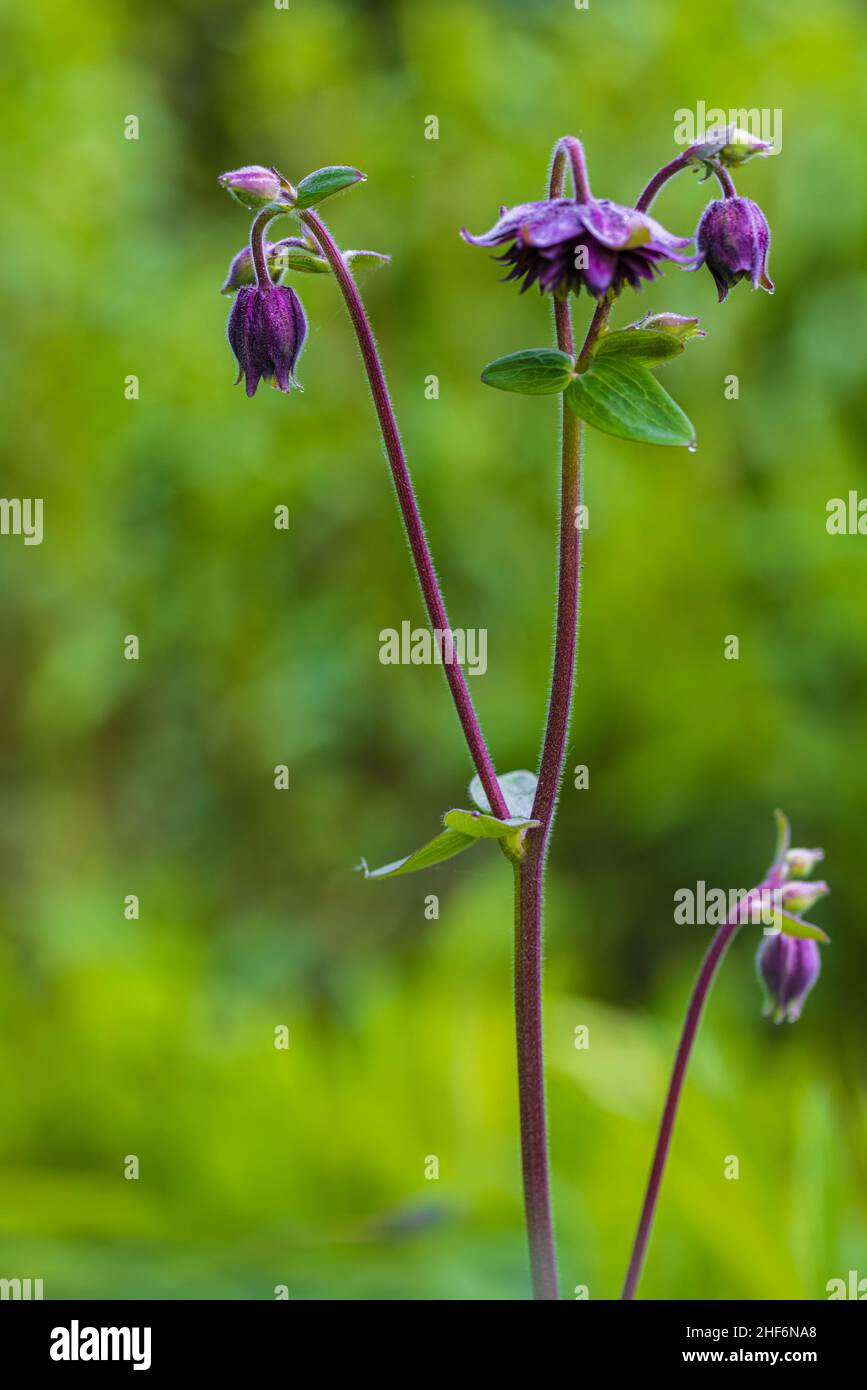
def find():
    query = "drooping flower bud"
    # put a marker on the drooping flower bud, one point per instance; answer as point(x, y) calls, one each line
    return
point(254, 186)
point(788, 967)
point(800, 896)
point(733, 239)
point(729, 145)
point(678, 326)
point(266, 331)
point(800, 862)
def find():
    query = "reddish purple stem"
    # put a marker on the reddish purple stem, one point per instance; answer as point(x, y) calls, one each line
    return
point(409, 510)
point(697, 1001)
point(530, 871)
point(668, 171)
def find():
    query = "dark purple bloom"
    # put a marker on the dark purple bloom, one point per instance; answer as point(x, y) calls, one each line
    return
point(733, 239)
point(266, 331)
point(788, 967)
point(562, 244)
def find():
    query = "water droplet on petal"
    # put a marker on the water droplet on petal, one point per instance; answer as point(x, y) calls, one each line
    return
point(691, 448)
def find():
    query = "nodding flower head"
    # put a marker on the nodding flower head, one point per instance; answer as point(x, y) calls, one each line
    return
point(266, 330)
point(788, 967)
point(733, 240)
point(562, 244)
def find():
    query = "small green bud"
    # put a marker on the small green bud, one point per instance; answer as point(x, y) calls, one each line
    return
point(729, 145)
point(801, 862)
point(678, 326)
point(800, 897)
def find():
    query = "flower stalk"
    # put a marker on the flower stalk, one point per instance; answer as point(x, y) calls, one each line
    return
point(406, 498)
point(565, 246)
point(782, 901)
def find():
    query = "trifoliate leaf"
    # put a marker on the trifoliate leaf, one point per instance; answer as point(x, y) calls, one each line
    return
point(624, 399)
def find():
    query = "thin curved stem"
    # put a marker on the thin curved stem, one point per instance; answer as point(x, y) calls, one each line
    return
point(668, 171)
point(567, 147)
point(709, 966)
point(724, 179)
point(257, 246)
point(421, 555)
point(698, 998)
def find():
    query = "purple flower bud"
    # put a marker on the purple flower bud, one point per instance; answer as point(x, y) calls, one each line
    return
point(733, 238)
point(800, 897)
point(800, 862)
point(254, 186)
point(788, 967)
point(562, 244)
point(266, 331)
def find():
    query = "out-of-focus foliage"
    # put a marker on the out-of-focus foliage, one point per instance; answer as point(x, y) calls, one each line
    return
point(306, 1167)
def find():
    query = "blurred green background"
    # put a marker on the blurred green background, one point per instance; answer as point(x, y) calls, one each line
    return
point(306, 1167)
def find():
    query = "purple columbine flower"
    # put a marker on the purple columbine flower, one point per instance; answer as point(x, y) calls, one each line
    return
point(266, 331)
point(562, 244)
point(733, 238)
point(788, 967)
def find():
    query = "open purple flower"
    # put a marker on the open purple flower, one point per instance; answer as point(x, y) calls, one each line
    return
point(266, 332)
point(562, 244)
point(733, 239)
point(788, 966)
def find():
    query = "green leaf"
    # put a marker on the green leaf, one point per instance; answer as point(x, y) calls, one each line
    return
point(324, 182)
point(535, 372)
point(518, 788)
point(796, 926)
point(624, 399)
point(365, 260)
point(294, 254)
point(484, 827)
point(639, 345)
point(445, 846)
